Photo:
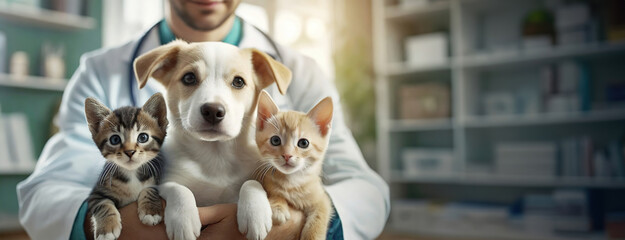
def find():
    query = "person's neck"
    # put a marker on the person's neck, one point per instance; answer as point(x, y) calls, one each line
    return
point(184, 32)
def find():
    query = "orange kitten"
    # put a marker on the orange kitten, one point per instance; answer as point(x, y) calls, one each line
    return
point(293, 145)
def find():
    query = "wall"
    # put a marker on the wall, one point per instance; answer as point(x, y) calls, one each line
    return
point(38, 105)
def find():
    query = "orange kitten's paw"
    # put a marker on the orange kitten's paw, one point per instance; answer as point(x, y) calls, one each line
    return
point(280, 215)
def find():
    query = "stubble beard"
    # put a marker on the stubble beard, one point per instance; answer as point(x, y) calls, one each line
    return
point(189, 21)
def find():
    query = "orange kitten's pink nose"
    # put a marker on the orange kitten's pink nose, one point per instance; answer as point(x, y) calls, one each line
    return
point(286, 157)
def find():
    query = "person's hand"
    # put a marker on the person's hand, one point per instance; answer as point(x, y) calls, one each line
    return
point(221, 223)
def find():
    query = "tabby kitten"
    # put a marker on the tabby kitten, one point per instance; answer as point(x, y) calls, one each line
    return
point(294, 144)
point(130, 139)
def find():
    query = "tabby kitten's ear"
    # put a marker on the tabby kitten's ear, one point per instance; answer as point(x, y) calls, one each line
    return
point(266, 109)
point(96, 112)
point(156, 107)
point(321, 114)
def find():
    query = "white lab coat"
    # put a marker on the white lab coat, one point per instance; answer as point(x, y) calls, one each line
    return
point(70, 162)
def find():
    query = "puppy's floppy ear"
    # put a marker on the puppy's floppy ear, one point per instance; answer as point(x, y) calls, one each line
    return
point(96, 112)
point(156, 107)
point(269, 71)
point(157, 62)
point(321, 114)
point(266, 109)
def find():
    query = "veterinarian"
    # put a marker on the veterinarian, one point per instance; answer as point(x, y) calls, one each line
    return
point(52, 199)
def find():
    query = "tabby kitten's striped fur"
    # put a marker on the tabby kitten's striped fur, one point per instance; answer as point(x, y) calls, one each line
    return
point(130, 139)
point(293, 146)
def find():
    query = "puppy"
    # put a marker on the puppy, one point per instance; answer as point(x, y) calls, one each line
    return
point(211, 93)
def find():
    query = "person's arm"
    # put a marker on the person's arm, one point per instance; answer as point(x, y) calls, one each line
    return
point(68, 166)
point(219, 221)
point(360, 196)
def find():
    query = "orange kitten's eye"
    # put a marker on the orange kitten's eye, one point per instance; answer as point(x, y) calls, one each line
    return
point(303, 143)
point(275, 141)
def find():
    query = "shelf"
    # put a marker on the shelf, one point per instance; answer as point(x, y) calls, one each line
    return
point(521, 57)
point(403, 69)
point(33, 82)
point(17, 171)
point(46, 18)
point(519, 181)
point(420, 125)
point(544, 119)
point(396, 12)
point(499, 234)
point(9, 223)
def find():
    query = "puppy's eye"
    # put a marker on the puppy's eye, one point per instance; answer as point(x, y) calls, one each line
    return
point(275, 140)
point(115, 139)
point(143, 137)
point(303, 143)
point(238, 82)
point(189, 79)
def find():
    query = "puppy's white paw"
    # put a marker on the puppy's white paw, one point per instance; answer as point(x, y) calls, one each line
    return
point(182, 222)
point(254, 211)
point(150, 220)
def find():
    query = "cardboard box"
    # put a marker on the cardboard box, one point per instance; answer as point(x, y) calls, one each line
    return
point(424, 101)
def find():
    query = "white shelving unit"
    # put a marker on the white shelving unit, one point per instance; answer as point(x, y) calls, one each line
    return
point(523, 181)
point(33, 82)
point(46, 18)
point(469, 132)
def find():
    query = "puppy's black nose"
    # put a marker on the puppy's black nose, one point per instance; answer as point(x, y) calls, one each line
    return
point(213, 112)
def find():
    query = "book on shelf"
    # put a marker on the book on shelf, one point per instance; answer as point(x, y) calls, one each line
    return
point(567, 87)
point(580, 157)
point(18, 142)
point(572, 210)
point(615, 154)
point(526, 159)
point(5, 157)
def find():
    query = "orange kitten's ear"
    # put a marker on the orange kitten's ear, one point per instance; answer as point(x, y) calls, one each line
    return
point(156, 107)
point(266, 109)
point(95, 112)
point(322, 115)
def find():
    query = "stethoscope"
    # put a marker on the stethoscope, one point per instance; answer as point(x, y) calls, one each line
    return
point(135, 54)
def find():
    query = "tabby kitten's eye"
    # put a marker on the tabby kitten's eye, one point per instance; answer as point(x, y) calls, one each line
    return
point(238, 82)
point(115, 139)
point(189, 79)
point(143, 137)
point(303, 143)
point(275, 140)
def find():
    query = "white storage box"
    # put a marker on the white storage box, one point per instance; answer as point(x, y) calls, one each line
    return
point(427, 49)
point(427, 161)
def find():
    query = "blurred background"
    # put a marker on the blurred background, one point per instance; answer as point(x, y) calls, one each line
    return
point(489, 119)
